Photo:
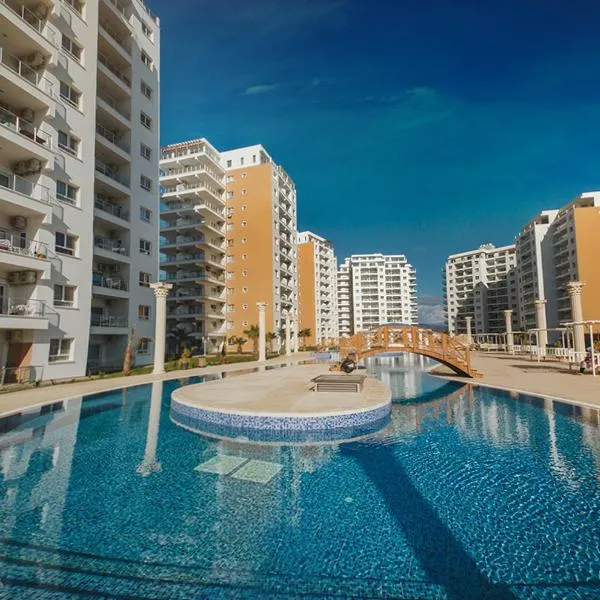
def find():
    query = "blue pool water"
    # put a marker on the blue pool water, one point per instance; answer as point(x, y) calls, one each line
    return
point(465, 494)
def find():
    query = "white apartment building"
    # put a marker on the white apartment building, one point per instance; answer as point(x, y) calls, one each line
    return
point(535, 270)
point(317, 281)
point(79, 122)
point(481, 284)
point(192, 245)
point(344, 292)
point(383, 290)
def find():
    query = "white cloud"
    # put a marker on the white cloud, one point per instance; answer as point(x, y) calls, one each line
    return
point(254, 90)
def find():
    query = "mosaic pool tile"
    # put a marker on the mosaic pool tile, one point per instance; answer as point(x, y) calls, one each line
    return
point(221, 464)
point(259, 471)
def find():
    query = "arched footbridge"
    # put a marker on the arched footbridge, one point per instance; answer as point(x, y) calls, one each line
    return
point(449, 351)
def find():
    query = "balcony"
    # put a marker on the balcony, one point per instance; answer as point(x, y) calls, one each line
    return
point(117, 109)
point(23, 197)
point(198, 189)
point(111, 176)
point(112, 249)
point(118, 9)
point(105, 324)
point(178, 174)
point(113, 141)
point(18, 252)
point(23, 140)
point(116, 38)
point(30, 26)
point(24, 314)
point(189, 155)
point(116, 74)
point(112, 287)
point(37, 92)
point(115, 212)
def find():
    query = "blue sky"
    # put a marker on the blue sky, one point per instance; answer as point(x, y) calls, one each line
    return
point(423, 127)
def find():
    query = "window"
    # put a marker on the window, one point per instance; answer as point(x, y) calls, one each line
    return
point(65, 243)
point(244, 323)
point(145, 214)
point(66, 192)
point(230, 275)
point(244, 207)
point(146, 183)
point(230, 307)
point(144, 345)
point(145, 120)
point(244, 174)
point(244, 192)
point(230, 290)
point(64, 296)
point(228, 163)
point(244, 223)
point(145, 247)
point(146, 152)
point(254, 158)
point(229, 195)
point(75, 5)
point(229, 226)
point(229, 212)
point(71, 48)
point(229, 260)
point(244, 290)
point(244, 240)
point(230, 243)
point(229, 179)
point(244, 306)
point(60, 350)
point(146, 30)
point(244, 273)
point(244, 257)
point(144, 279)
point(68, 143)
point(146, 90)
point(242, 160)
point(143, 312)
point(69, 94)
point(146, 59)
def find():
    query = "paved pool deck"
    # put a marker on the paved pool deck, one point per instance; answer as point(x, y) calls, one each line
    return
point(546, 378)
point(283, 392)
point(14, 401)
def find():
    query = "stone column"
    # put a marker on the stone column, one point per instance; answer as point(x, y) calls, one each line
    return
point(509, 334)
point(540, 323)
point(288, 325)
point(574, 289)
point(296, 338)
point(262, 341)
point(150, 465)
point(469, 334)
point(161, 291)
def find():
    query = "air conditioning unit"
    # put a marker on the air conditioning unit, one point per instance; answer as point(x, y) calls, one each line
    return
point(28, 114)
point(26, 277)
point(21, 168)
point(13, 277)
point(14, 335)
point(41, 11)
point(36, 60)
point(28, 167)
point(18, 222)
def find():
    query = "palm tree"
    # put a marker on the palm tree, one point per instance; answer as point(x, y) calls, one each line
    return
point(128, 356)
point(239, 342)
point(304, 333)
point(271, 337)
point(252, 332)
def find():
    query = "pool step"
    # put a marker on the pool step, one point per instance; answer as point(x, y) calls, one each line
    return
point(28, 571)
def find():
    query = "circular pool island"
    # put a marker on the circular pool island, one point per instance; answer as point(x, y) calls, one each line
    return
point(281, 406)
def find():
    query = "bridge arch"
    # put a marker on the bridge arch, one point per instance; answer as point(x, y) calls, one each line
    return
point(447, 350)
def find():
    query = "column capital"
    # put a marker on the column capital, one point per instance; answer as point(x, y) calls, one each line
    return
point(468, 319)
point(539, 302)
point(508, 311)
point(261, 306)
point(161, 289)
point(574, 288)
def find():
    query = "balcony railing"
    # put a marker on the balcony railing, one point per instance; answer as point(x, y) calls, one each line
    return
point(191, 187)
point(182, 240)
point(190, 151)
point(107, 321)
point(25, 128)
point(114, 69)
point(114, 103)
point(115, 36)
point(112, 283)
point(20, 375)
point(101, 203)
point(184, 258)
point(193, 169)
point(112, 173)
point(23, 308)
point(24, 71)
point(13, 182)
point(31, 19)
point(115, 246)
point(113, 138)
point(17, 244)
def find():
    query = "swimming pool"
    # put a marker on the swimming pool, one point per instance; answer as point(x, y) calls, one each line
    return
point(469, 493)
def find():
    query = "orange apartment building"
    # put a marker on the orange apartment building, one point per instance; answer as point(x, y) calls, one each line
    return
point(261, 263)
point(317, 289)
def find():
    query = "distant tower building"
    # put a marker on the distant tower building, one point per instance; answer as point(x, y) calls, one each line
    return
point(317, 288)
point(383, 290)
point(481, 284)
point(344, 291)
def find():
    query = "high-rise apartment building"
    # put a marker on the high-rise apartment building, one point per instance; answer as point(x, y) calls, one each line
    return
point(192, 245)
point(382, 289)
point(317, 288)
point(261, 236)
point(344, 292)
point(576, 245)
point(534, 250)
point(481, 284)
point(79, 184)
